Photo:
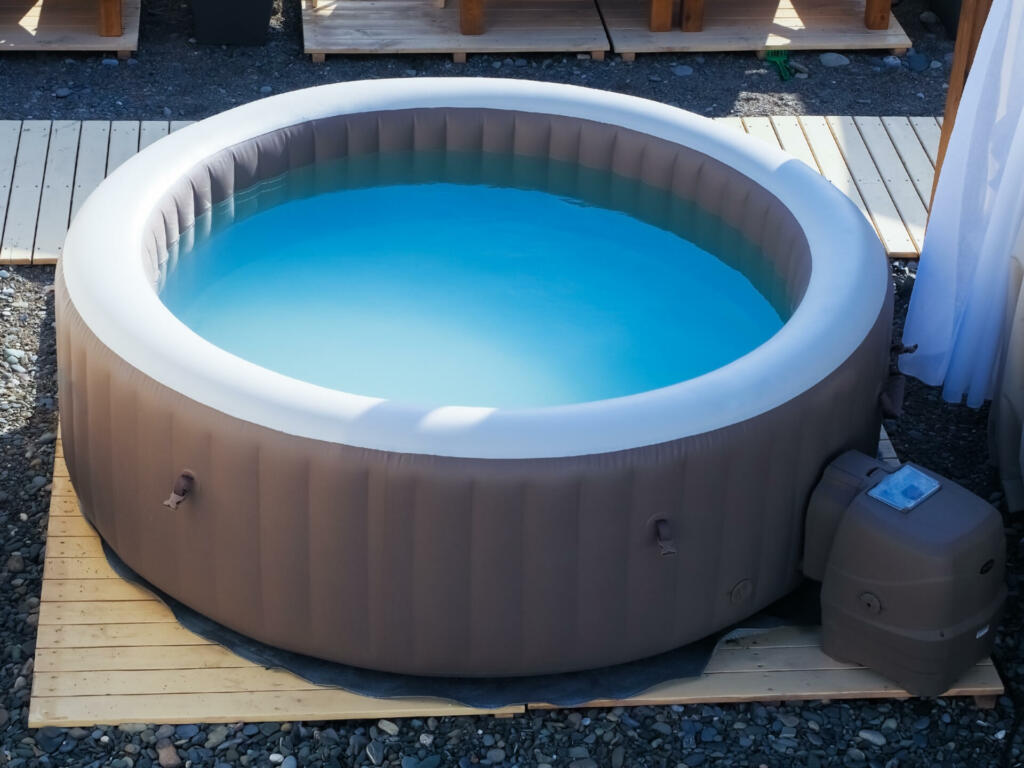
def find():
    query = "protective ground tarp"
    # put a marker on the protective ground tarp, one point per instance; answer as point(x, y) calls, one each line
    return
point(621, 681)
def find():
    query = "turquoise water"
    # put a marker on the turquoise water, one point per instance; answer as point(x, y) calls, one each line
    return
point(434, 292)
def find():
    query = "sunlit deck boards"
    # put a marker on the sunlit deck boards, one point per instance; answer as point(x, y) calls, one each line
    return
point(109, 652)
point(48, 169)
point(65, 25)
point(752, 25)
point(885, 165)
point(427, 26)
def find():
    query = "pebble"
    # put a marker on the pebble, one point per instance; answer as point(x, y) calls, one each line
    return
point(15, 563)
point(872, 737)
point(930, 19)
point(375, 751)
point(495, 756)
point(276, 758)
point(265, 89)
point(290, 762)
point(109, 62)
point(917, 62)
point(426, 739)
point(855, 755)
point(892, 62)
point(4, 274)
point(682, 70)
point(389, 727)
point(62, 93)
point(186, 731)
point(832, 59)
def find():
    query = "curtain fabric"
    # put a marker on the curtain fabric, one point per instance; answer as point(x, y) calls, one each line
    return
point(966, 312)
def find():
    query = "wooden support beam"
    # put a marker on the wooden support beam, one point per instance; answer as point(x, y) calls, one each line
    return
point(471, 17)
point(692, 15)
point(660, 15)
point(876, 14)
point(973, 15)
point(110, 18)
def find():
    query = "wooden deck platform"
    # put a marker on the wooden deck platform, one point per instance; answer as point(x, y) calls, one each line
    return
point(752, 25)
point(424, 26)
point(64, 25)
point(47, 169)
point(109, 652)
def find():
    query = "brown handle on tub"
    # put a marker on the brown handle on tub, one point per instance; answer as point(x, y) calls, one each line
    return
point(182, 487)
point(664, 533)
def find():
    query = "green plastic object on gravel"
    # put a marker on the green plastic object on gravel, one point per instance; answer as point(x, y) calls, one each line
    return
point(781, 61)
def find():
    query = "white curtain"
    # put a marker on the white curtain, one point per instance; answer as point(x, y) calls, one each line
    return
point(964, 313)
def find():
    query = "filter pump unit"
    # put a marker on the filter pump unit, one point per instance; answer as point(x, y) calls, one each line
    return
point(911, 567)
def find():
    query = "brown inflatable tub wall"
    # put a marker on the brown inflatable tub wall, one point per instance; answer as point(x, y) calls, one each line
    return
point(437, 565)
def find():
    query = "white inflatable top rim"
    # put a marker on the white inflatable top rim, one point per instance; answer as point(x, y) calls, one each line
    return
point(106, 281)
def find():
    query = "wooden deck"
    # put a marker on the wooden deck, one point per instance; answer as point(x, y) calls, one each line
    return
point(47, 169)
point(64, 25)
point(109, 652)
point(753, 25)
point(424, 26)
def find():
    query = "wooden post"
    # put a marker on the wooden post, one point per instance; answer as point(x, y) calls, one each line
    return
point(973, 14)
point(110, 18)
point(876, 14)
point(692, 15)
point(660, 15)
point(471, 17)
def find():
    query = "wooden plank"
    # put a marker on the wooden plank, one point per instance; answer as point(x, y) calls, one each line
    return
point(101, 612)
point(115, 635)
point(830, 160)
point(319, 704)
point(891, 229)
point(88, 590)
point(912, 153)
point(152, 130)
point(10, 131)
point(124, 143)
point(177, 125)
point(74, 546)
point(62, 487)
point(173, 657)
point(77, 568)
point(761, 127)
point(253, 680)
point(63, 506)
point(92, 161)
point(789, 685)
point(66, 25)
point(58, 185)
point(731, 122)
point(929, 132)
point(895, 177)
point(791, 137)
point(26, 188)
point(69, 526)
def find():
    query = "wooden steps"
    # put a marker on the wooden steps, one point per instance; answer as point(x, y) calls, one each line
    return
point(752, 25)
point(109, 652)
point(65, 25)
point(47, 169)
point(425, 26)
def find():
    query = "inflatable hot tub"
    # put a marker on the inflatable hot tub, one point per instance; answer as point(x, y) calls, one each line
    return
point(446, 538)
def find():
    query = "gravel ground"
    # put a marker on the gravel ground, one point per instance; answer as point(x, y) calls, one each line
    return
point(173, 77)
